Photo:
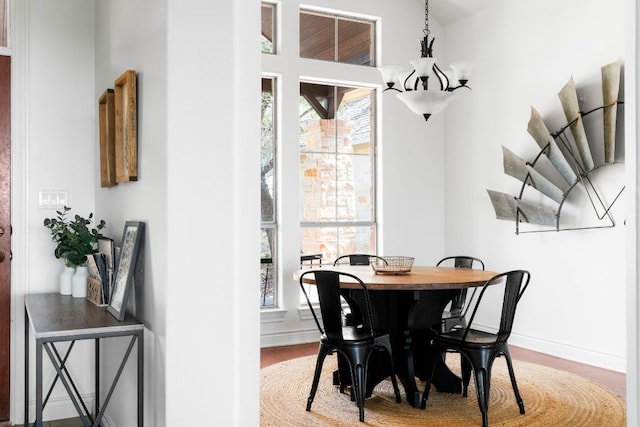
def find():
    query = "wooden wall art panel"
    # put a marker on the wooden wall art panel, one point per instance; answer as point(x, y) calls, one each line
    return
point(107, 124)
point(126, 127)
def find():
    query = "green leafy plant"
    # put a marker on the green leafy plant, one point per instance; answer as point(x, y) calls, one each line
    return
point(75, 238)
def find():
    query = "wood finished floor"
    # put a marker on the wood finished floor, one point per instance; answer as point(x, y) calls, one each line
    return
point(71, 422)
point(613, 381)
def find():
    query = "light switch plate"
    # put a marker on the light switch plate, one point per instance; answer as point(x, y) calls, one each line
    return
point(52, 199)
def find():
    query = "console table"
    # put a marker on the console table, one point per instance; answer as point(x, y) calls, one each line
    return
point(54, 318)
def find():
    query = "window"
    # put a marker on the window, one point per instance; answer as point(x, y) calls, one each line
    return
point(267, 43)
point(4, 18)
point(335, 211)
point(336, 38)
point(268, 274)
point(337, 170)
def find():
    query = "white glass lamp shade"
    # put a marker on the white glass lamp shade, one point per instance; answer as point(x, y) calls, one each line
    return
point(463, 70)
point(423, 66)
point(451, 76)
point(402, 77)
point(426, 101)
point(390, 73)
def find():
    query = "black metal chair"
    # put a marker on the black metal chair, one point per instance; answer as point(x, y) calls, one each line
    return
point(480, 348)
point(355, 344)
point(355, 259)
point(455, 316)
point(353, 316)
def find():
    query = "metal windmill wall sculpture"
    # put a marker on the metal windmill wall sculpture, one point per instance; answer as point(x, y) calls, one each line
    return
point(565, 162)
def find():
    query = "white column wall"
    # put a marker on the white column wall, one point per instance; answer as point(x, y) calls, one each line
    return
point(213, 211)
point(631, 133)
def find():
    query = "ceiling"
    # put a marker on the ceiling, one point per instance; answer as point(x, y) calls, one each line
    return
point(450, 11)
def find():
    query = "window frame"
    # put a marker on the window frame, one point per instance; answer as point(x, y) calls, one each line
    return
point(339, 16)
point(274, 26)
point(271, 224)
point(373, 160)
point(290, 69)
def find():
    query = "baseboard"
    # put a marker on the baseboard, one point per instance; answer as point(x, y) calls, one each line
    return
point(278, 339)
point(612, 362)
point(61, 408)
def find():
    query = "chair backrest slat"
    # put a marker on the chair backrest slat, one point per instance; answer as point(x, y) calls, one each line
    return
point(461, 261)
point(514, 284)
point(328, 286)
point(355, 259)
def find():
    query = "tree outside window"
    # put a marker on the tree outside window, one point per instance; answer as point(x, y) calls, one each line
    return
point(268, 255)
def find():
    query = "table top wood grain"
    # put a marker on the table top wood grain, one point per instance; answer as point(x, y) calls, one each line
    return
point(419, 278)
point(53, 315)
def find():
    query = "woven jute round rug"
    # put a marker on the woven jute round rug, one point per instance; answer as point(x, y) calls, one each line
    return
point(551, 398)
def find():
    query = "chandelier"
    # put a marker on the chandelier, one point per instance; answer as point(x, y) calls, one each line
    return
point(415, 92)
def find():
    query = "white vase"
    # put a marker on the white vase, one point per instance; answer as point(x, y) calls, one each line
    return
point(79, 282)
point(65, 280)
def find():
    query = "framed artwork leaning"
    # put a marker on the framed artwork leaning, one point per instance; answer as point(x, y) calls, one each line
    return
point(132, 238)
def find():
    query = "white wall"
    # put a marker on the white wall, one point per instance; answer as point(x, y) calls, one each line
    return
point(524, 53)
point(133, 35)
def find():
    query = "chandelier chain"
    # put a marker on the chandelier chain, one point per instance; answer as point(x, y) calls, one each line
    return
point(426, 18)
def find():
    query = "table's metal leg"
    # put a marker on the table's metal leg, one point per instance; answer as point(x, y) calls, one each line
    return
point(96, 404)
point(26, 368)
point(38, 422)
point(141, 379)
point(55, 380)
point(61, 373)
point(63, 368)
point(116, 378)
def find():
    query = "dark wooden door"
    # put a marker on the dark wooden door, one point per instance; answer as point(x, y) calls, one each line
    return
point(5, 232)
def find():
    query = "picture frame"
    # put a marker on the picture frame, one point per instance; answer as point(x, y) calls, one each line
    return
point(95, 292)
point(107, 255)
point(126, 127)
point(132, 238)
point(106, 118)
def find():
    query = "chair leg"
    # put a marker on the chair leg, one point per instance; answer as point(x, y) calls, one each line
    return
point(316, 377)
point(483, 385)
point(360, 383)
point(396, 390)
point(512, 375)
point(465, 368)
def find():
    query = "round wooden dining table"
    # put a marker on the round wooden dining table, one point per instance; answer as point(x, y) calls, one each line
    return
point(408, 305)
